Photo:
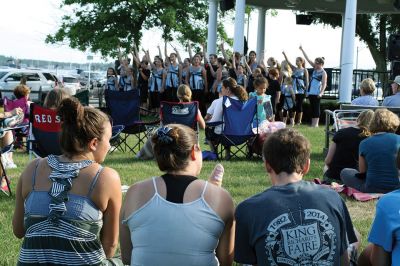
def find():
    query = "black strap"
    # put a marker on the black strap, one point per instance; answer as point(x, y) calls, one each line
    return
point(176, 186)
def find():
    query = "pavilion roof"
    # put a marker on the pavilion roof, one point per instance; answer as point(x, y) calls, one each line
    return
point(327, 6)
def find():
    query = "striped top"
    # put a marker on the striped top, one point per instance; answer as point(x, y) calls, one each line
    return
point(58, 238)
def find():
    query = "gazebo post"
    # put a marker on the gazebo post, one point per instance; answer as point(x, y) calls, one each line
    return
point(212, 27)
point(347, 53)
point(260, 33)
point(238, 39)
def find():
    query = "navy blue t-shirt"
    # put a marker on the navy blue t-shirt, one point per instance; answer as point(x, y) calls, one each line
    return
point(296, 224)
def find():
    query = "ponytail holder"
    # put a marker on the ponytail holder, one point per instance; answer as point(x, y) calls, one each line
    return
point(163, 137)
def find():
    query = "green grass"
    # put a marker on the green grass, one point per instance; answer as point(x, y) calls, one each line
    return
point(242, 179)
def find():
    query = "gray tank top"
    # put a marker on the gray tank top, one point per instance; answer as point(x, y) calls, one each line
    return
point(167, 233)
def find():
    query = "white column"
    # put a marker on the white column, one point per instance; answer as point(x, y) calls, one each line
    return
point(212, 27)
point(238, 39)
point(260, 32)
point(347, 58)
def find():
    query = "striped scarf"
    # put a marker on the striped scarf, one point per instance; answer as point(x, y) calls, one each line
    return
point(61, 177)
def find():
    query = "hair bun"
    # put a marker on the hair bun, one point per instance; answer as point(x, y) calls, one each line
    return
point(71, 111)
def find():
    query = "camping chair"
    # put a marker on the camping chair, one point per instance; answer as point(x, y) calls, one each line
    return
point(179, 113)
point(7, 124)
point(44, 131)
point(124, 108)
point(341, 119)
point(20, 133)
point(83, 97)
point(237, 126)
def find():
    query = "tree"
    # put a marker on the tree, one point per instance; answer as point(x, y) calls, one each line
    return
point(103, 25)
point(373, 29)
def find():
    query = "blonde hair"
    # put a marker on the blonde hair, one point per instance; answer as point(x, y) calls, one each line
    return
point(364, 121)
point(384, 121)
point(184, 93)
point(367, 86)
point(286, 67)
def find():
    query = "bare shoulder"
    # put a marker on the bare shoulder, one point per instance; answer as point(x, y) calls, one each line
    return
point(220, 201)
point(108, 180)
point(137, 195)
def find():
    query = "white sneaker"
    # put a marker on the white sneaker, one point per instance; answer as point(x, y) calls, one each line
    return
point(10, 165)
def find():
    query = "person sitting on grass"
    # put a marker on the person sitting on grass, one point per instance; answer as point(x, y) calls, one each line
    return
point(377, 172)
point(367, 88)
point(293, 222)
point(177, 219)
point(384, 237)
point(343, 151)
point(67, 206)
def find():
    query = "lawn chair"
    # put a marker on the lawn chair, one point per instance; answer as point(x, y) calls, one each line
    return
point(7, 124)
point(184, 113)
point(341, 119)
point(44, 131)
point(124, 108)
point(83, 97)
point(238, 123)
point(20, 133)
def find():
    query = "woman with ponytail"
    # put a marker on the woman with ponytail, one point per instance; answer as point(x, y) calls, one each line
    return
point(177, 218)
point(67, 206)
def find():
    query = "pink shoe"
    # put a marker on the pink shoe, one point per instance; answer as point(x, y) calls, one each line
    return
point(217, 175)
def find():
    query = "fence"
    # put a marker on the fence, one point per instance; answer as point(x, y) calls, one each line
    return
point(381, 79)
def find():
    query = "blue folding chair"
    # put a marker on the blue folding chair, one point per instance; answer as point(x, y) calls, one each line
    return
point(184, 113)
point(124, 109)
point(237, 126)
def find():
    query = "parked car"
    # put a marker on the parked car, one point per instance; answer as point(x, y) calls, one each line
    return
point(70, 84)
point(35, 79)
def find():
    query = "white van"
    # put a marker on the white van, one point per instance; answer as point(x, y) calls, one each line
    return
point(35, 80)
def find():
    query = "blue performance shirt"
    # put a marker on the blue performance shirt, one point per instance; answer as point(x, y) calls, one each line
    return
point(385, 230)
point(380, 152)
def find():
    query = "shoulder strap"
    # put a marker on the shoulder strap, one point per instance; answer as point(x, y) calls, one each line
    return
point(155, 185)
point(34, 175)
point(204, 189)
point(94, 181)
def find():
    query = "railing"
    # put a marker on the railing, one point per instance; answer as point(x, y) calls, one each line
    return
point(381, 79)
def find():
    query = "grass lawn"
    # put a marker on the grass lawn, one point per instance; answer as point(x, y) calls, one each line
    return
point(242, 179)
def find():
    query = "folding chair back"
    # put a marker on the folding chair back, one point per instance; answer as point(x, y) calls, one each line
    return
point(345, 118)
point(238, 123)
point(45, 128)
point(83, 97)
point(124, 108)
point(179, 113)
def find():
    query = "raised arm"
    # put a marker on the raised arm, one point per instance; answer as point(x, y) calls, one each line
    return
point(135, 56)
point(221, 46)
point(178, 56)
point(249, 72)
point(203, 45)
point(287, 60)
point(167, 63)
point(213, 73)
point(234, 63)
point(306, 57)
point(159, 52)
point(147, 53)
point(190, 51)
